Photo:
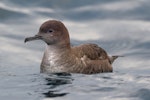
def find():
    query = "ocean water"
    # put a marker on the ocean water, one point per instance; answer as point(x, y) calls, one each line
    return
point(121, 27)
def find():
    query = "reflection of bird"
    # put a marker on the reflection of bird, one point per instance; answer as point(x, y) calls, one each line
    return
point(59, 56)
point(53, 81)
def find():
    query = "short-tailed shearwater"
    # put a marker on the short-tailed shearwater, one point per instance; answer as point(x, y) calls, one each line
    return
point(60, 56)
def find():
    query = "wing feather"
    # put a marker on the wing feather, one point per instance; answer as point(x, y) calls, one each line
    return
point(91, 51)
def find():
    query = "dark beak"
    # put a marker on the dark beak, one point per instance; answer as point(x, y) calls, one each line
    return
point(36, 37)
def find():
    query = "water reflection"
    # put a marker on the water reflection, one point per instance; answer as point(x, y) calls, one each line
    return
point(51, 94)
point(54, 81)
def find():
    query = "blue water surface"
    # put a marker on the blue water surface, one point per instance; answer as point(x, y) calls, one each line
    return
point(121, 27)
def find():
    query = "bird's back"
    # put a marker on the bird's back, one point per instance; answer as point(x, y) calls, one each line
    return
point(91, 51)
point(93, 57)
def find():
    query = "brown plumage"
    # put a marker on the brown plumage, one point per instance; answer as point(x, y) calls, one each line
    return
point(59, 56)
point(92, 51)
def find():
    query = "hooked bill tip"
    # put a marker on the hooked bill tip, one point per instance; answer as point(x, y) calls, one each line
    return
point(25, 40)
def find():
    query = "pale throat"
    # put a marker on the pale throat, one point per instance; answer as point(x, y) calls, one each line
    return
point(54, 55)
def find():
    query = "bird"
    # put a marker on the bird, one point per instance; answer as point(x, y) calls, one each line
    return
point(60, 56)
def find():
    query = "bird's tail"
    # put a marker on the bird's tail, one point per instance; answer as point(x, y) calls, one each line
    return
point(113, 58)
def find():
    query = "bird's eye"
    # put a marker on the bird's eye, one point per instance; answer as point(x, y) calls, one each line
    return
point(50, 31)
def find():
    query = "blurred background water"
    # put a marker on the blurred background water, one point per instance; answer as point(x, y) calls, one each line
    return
point(121, 27)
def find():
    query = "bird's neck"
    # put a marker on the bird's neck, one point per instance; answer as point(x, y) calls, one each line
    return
point(58, 50)
point(54, 52)
point(55, 56)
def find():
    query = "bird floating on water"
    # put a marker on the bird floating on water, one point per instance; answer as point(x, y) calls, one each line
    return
point(60, 56)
